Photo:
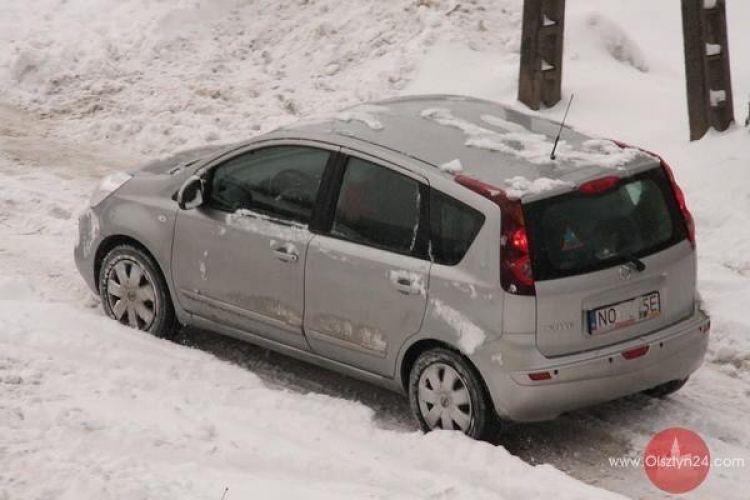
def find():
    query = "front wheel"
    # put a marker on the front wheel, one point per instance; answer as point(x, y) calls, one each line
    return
point(134, 292)
point(445, 392)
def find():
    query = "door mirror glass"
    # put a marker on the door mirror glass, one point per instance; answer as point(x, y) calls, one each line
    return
point(190, 195)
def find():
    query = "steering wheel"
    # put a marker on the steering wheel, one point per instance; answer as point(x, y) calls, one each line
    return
point(231, 191)
point(292, 185)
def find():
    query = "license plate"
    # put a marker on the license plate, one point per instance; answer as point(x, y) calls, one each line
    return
point(608, 318)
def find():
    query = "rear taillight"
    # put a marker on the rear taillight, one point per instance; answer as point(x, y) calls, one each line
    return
point(679, 196)
point(516, 275)
point(681, 202)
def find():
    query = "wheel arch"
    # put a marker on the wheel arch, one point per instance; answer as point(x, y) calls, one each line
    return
point(422, 345)
point(115, 240)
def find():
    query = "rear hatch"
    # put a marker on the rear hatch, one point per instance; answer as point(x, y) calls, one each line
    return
point(611, 261)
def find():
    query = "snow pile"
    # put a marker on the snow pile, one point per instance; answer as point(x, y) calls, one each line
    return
point(249, 220)
point(453, 167)
point(617, 43)
point(162, 76)
point(364, 113)
point(165, 422)
point(518, 187)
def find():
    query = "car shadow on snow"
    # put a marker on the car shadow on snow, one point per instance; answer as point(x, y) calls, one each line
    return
point(391, 410)
point(589, 436)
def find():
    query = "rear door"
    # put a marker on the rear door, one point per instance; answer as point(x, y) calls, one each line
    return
point(610, 265)
point(367, 273)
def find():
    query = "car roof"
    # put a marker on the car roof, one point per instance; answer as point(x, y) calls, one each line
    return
point(493, 143)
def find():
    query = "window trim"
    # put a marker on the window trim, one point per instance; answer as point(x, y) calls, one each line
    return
point(207, 172)
point(324, 224)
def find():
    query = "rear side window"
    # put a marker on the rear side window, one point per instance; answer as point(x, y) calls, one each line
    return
point(278, 181)
point(578, 233)
point(378, 207)
point(453, 227)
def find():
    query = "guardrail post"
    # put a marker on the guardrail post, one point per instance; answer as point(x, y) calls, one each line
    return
point(709, 84)
point(540, 77)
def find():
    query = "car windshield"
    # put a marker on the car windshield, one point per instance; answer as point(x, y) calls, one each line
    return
point(578, 233)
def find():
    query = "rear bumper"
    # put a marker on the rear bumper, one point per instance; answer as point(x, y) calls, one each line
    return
point(586, 379)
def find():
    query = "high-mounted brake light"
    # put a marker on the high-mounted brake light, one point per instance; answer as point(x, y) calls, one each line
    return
point(679, 196)
point(516, 275)
point(599, 185)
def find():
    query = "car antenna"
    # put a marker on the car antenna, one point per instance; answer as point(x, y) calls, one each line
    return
point(562, 124)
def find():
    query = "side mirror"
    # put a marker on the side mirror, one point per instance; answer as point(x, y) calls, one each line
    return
point(190, 195)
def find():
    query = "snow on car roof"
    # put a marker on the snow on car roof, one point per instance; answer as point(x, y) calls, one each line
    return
point(491, 142)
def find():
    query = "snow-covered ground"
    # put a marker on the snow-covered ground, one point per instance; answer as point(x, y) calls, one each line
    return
point(92, 410)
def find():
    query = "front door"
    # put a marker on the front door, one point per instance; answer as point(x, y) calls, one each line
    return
point(367, 274)
point(240, 259)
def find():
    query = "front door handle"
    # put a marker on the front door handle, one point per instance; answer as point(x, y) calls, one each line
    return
point(406, 285)
point(286, 252)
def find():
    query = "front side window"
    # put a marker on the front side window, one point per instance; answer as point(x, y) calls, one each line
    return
point(279, 181)
point(378, 207)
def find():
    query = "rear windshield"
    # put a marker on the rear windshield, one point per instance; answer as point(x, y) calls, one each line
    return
point(578, 233)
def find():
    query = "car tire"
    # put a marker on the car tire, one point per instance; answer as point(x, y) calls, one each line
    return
point(464, 406)
point(134, 292)
point(664, 390)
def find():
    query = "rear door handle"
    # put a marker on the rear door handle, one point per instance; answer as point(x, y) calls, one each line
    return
point(286, 252)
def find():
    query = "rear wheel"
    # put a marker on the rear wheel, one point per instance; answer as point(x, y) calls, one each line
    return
point(664, 390)
point(134, 292)
point(445, 392)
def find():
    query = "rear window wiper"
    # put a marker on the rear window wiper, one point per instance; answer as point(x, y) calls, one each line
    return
point(640, 266)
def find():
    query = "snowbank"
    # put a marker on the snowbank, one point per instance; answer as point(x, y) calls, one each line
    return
point(161, 76)
point(163, 421)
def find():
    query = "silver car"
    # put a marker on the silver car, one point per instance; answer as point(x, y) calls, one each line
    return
point(430, 244)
